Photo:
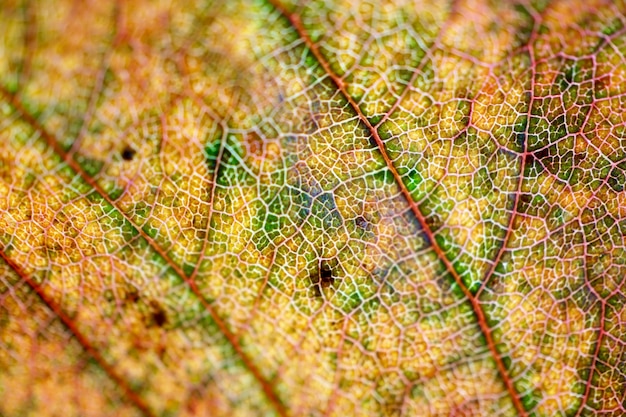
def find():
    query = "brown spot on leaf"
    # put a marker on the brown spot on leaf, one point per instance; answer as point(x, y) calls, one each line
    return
point(363, 223)
point(254, 144)
point(132, 296)
point(539, 154)
point(434, 222)
point(128, 153)
point(158, 315)
point(324, 276)
point(526, 198)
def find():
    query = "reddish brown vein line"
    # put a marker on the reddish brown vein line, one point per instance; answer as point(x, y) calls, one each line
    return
point(480, 315)
point(80, 337)
point(230, 337)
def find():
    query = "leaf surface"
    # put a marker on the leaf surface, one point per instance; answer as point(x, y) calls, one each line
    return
point(312, 208)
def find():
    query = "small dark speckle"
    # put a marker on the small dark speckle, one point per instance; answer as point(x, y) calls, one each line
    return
point(433, 222)
point(132, 296)
point(521, 138)
point(326, 275)
point(128, 153)
point(159, 318)
point(526, 198)
point(323, 277)
point(373, 142)
point(541, 153)
point(363, 223)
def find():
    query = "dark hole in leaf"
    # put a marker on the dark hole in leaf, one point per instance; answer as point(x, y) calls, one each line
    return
point(159, 318)
point(326, 274)
point(373, 142)
point(323, 277)
point(158, 315)
point(128, 153)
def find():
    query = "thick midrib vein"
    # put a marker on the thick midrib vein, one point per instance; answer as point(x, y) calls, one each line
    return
point(79, 336)
point(295, 21)
point(223, 328)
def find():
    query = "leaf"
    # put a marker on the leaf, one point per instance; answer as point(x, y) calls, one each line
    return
point(315, 208)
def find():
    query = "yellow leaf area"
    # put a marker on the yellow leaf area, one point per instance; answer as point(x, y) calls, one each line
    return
point(197, 216)
point(42, 363)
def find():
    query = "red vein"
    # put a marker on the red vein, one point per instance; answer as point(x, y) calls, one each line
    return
point(230, 337)
point(79, 336)
point(480, 315)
